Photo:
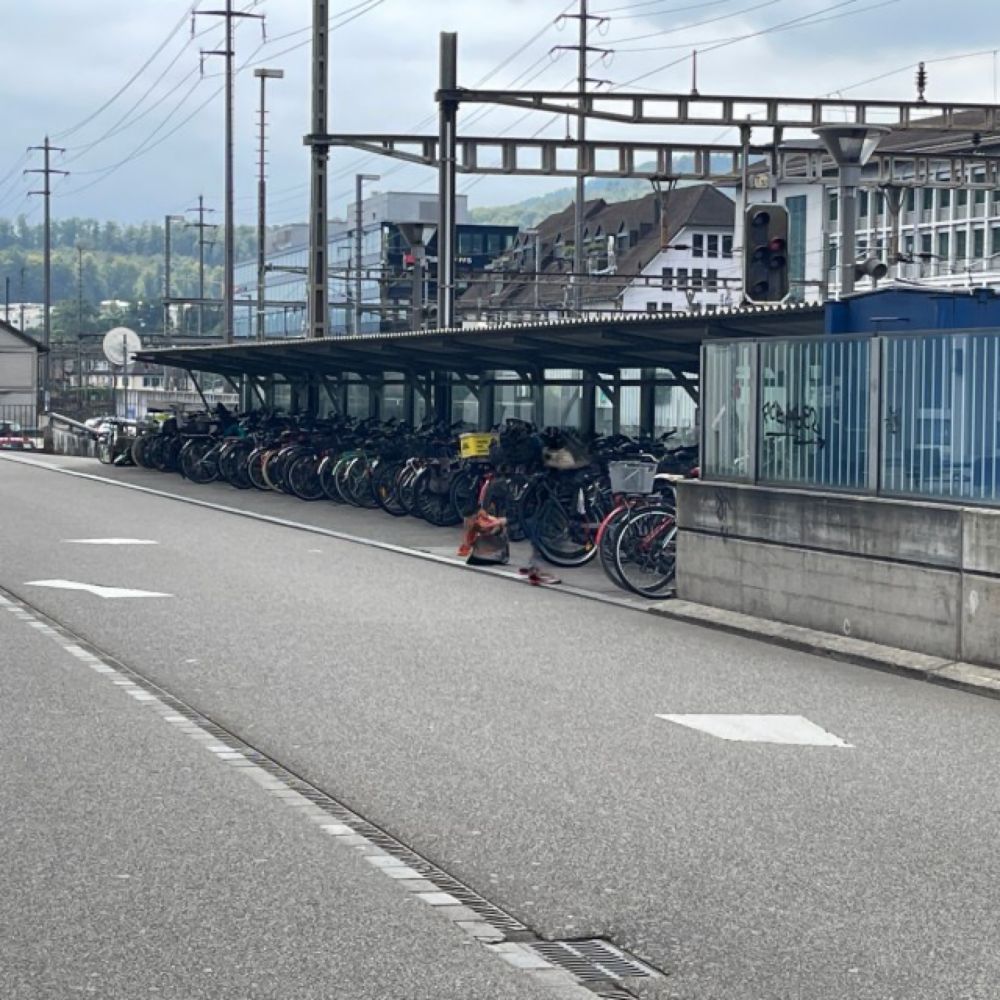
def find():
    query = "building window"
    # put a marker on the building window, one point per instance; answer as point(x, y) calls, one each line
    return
point(652, 307)
point(978, 242)
point(925, 243)
point(698, 245)
point(682, 278)
point(727, 246)
point(713, 246)
point(911, 200)
point(979, 196)
point(668, 277)
point(961, 245)
point(696, 278)
point(927, 199)
point(944, 197)
point(666, 307)
point(995, 241)
point(833, 206)
point(713, 279)
point(962, 197)
point(863, 204)
point(943, 245)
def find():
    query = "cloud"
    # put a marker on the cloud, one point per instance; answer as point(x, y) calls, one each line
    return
point(64, 60)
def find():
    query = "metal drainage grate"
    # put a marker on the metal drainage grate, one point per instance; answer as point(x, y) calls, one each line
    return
point(592, 960)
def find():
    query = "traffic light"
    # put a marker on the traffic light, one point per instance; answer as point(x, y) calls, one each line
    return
point(765, 253)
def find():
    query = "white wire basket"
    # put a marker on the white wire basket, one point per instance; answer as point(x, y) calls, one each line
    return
point(632, 477)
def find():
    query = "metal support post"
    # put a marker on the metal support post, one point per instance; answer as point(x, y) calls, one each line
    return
point(318, 312)
point(448, 127)
point(359, 229)
point(849, 177)
point(263, 75)
point(581, 180)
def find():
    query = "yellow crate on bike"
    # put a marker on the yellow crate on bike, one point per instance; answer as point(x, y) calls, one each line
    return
point(632, 477)
point(475, 445)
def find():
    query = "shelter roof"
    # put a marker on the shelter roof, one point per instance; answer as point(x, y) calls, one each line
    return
point(601, 343)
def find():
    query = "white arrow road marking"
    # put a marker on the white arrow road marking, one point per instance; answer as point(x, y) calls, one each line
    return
point(788, 729)
point(110, 541)
point(93, 588)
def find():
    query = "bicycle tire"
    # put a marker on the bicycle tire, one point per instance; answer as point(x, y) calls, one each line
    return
point(432, 496)
point(465, 489)
point(303, 478)
point(385, 485)
point(646, 552)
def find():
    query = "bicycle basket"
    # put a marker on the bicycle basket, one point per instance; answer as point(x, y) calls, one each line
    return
point(632, 477)
point(475, 445)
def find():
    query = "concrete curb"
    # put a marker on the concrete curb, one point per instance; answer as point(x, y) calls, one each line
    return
point(968, 677)
point(938, 670)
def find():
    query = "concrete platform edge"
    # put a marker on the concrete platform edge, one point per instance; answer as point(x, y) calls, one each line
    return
point(970, 677)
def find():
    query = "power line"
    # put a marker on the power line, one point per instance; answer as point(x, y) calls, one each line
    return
point(694, 24)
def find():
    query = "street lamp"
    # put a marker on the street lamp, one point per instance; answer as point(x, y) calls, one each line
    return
point(263, 75)
point(851, 147)
point(359, 181)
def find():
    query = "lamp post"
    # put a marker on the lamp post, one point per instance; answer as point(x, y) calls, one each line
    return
point(359, 180)
point(263, 75)
point(851, 147)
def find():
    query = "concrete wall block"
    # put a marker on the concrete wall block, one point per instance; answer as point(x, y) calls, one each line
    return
point(879, 528)
point(980, 619)
point(884, 602)
point(981, 540)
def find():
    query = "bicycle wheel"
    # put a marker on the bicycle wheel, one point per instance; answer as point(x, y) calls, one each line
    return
point(303, 478)
point(198, 461)
point(607, 542)
point(646, 552)
point(327, 478)
point(432, 496)
point(502, 498)
point(562, 518)
point(255, 469)
point(385, 485)
point(465, 486)
point(358, 482)
point(404, 489)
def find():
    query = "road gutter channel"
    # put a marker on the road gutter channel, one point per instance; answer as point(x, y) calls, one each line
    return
point(968, 677)
point(478, 918)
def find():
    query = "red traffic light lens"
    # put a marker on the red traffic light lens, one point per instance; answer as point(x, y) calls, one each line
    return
point(776, 244)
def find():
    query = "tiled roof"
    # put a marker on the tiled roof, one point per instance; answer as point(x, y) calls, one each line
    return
point(697, 205)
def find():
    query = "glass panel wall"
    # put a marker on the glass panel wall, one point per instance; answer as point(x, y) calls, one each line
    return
point(813, 407)
point(940, 416)
point(727, 420)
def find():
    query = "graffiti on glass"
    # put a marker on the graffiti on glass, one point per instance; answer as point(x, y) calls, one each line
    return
point(799, 424)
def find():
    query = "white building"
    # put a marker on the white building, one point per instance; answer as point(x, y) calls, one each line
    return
point(949, 237)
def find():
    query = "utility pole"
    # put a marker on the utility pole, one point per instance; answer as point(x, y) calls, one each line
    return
point(318, 313)
point(582, 49)
point(47, 171)
point(229, 241)
point(21, 298)
point(167, 255)
point(263, 75)
point(201, 225)
point(79, 322)
point(359, 224)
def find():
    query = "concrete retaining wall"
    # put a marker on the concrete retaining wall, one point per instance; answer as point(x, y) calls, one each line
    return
point(919, 576)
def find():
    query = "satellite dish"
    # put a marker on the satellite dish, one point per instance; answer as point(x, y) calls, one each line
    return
point(120, 345)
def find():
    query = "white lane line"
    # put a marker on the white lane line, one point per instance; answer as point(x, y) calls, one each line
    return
point(110, 541)
point(93, 588)
point(786, 729)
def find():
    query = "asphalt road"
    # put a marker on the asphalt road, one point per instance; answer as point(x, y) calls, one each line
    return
point(511, 735)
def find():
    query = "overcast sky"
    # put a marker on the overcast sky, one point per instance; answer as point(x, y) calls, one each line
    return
point(110, 79)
